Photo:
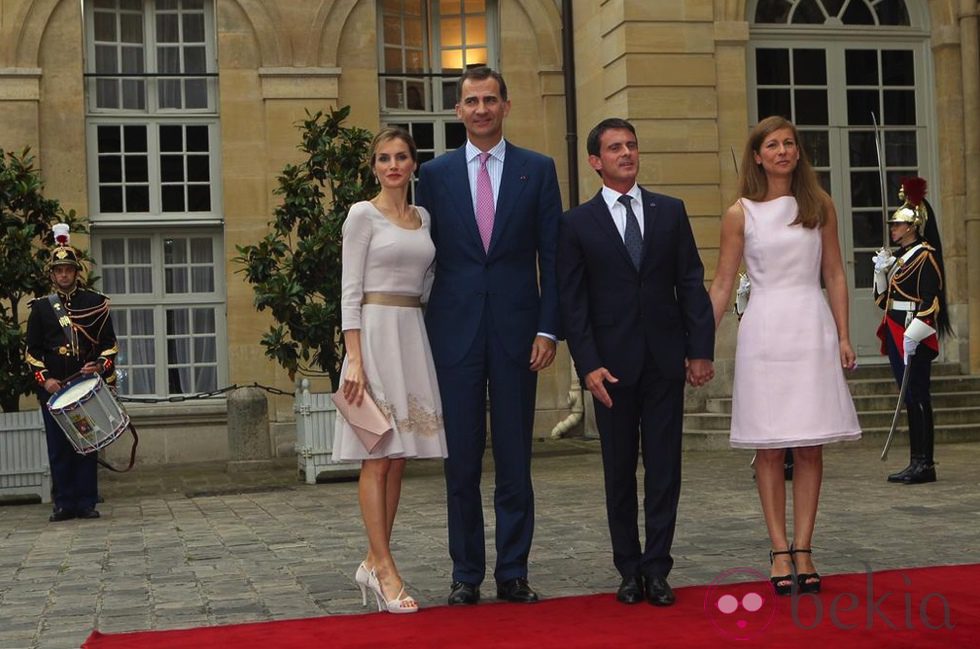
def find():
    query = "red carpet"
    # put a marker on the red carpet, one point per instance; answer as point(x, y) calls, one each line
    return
point(915, 607)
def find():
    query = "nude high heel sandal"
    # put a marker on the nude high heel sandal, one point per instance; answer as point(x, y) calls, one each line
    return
point(363, 579)
point(403, 603)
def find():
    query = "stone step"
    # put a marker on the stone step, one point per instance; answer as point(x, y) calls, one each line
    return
point(871, 438)
point(870, 402)
point(884, 370)
point(942, 383)
point(868, 419)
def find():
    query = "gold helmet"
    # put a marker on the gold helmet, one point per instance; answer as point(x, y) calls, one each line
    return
point(913, 210)
point(61, 253)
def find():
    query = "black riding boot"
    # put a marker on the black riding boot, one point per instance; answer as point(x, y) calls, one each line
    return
point(925, 468)
point(915, 444)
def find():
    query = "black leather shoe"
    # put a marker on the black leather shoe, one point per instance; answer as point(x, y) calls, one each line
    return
point(463, 593)
point(516, 590)
point(88, 513)
point(59, 515)
point(630, 590)
point(658, 591)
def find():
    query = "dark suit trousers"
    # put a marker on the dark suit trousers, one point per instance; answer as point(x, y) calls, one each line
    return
point(648, 414)
point(512, 390)
point(74, 477)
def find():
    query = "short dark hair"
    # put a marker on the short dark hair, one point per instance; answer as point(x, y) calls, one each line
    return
point(480, 73)
point(592, 142)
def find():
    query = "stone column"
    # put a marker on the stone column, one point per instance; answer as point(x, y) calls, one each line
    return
point(248, 430)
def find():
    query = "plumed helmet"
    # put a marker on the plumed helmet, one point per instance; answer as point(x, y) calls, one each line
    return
point(913, 210)
point(63, 254)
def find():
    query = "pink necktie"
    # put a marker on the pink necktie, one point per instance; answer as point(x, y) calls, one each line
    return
point(484, 202)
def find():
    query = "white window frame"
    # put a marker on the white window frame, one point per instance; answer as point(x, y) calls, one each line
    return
point(150, 66)
point(152, 117)
point(155, 215)
point(159, 301)
point(155, 224)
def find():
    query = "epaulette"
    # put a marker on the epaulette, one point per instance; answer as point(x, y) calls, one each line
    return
point(30, 303)
point(928, 246)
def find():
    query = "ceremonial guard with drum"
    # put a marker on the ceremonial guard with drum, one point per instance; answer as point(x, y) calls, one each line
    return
point(69, 334)
point(909, 285)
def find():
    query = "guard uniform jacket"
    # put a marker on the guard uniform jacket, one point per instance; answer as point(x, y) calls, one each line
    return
point(914, 283)
point(53, 355)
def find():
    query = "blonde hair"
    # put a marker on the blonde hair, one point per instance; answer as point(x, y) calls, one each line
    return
point(811, 199)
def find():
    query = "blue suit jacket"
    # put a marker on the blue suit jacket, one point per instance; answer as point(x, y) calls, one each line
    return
point(611, 311)
point(513, 284)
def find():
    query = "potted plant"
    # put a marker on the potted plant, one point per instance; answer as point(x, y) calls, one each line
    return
point(26, 217)
point(295, 269)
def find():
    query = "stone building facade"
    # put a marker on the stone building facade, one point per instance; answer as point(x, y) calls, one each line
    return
point(167, 121)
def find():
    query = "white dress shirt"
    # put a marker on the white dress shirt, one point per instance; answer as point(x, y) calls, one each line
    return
point(495, 167)
point(618, 210)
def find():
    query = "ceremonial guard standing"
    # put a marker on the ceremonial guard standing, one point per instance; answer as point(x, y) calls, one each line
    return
point(69, 332)
point(909, 286)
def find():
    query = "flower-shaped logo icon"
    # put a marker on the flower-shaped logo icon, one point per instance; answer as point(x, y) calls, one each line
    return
point(740, 603)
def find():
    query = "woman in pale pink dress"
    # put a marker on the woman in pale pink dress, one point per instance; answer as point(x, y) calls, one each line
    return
point(387, 268)
point(789, 389)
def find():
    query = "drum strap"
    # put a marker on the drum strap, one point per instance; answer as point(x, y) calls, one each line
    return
point(132, 453)
point(64, 321)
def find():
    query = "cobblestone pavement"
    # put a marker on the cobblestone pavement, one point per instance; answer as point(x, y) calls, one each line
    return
point(194, 545)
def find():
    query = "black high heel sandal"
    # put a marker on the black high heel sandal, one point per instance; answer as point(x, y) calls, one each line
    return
point(782, 583)
point(803, 578)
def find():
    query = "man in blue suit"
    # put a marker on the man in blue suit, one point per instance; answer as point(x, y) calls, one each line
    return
point(637, 319)
point(492, 319)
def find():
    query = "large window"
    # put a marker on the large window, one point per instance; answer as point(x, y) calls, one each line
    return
point(837, 68)
point(153, 155)
point(424, 45)
point(152, 110)
point(167, 309)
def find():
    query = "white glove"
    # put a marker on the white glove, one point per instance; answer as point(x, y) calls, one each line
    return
point(883, 260)
point(910, 345)
point(742, 294)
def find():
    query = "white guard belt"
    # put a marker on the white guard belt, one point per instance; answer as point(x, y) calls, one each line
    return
point(898, 305)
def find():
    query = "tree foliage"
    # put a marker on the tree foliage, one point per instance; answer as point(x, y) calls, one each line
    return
point(295, 269)
point(26, 217)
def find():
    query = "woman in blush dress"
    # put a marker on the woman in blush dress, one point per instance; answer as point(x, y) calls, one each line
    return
point(387, 263)
point(789, 389)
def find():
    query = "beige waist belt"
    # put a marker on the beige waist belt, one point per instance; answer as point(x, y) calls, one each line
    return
point(392, 299)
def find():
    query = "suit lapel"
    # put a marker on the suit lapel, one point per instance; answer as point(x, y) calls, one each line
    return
point(513, 180)
point(604, 221)
point(458, 186)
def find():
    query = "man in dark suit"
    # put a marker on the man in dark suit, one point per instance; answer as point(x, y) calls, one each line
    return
point(637, 319)
point(492, 319)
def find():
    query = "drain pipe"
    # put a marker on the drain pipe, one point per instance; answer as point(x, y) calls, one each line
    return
point(575, 394)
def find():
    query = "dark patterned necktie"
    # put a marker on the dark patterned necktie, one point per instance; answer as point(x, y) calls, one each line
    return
point(632, 237)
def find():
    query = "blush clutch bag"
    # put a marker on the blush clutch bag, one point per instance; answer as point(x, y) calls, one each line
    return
point(369, 423)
